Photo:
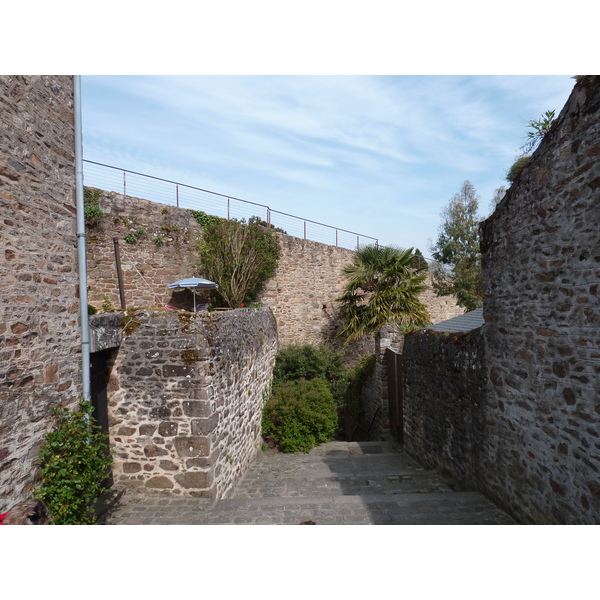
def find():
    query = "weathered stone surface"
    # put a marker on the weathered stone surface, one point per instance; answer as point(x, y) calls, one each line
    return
point(39, 334)
point(106, 331)
point(199, 445)
point(530, 440)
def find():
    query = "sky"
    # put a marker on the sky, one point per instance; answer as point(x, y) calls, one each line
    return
point(376, 155)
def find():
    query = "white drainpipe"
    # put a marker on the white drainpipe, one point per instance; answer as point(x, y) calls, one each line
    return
point(81, 243)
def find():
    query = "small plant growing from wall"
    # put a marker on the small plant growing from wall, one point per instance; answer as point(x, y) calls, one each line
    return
point(133, 236)
point(92, 211)
point(107, 305)
point(74, 462)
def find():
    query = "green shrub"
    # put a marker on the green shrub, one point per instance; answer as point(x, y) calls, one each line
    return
point(238, 256)
point(92, 310)
point(308, 362)
point(203, 219)
point(74, 462)
point(300, 414)
point(517, 168)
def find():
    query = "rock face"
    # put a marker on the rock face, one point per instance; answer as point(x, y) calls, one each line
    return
point(524, 389)
point(39, 305)
point(186, 404)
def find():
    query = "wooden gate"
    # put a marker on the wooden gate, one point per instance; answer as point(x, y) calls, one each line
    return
point(394, 362)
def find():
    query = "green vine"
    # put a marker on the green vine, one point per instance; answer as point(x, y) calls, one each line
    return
point(74, 462)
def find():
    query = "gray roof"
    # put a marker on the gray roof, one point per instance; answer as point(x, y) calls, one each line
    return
point(466, 322)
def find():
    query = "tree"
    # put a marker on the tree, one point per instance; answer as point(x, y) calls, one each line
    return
point(383, 287)
point(419, 260)
point(238, 256)
point(457, 269)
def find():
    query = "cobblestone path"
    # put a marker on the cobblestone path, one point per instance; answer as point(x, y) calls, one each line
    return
point(339, 483)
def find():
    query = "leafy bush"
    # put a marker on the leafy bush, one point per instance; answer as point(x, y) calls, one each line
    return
point(309, 362)
point(238, 256)
point(74, 462)
point(300, 414)
point(203, 219)
point(259, 221)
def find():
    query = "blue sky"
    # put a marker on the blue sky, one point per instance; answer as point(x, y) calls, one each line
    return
point(378, 155)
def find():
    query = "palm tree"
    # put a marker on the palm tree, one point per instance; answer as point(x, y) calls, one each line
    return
point(383, 287)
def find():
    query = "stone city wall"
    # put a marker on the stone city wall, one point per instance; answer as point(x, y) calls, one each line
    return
point(186, 398)
point(541, 274)
point(162, 254)
point(39, 325)
point(301, 293)
point(531, 441)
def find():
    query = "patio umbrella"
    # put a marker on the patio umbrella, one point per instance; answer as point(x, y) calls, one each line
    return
point(194, 283)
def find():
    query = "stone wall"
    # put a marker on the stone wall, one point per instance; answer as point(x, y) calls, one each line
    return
point(301, 293)
point(444, 402)
point(39, 330)
point(541, 274)
point(531, 439)
point(164, 253)
point(186, 398)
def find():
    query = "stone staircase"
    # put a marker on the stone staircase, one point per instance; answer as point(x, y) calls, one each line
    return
point(338, 483)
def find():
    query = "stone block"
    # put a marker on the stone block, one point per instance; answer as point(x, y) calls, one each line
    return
point(168, 429)
point(191, 447)
point(199, 480)
point(160, 482)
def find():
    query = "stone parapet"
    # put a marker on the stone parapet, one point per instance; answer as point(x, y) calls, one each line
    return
point(186, 414)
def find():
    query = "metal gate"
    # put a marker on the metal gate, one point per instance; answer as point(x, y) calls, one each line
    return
point(394, 362)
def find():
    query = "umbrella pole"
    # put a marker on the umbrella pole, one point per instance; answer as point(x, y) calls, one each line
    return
point(193, 292)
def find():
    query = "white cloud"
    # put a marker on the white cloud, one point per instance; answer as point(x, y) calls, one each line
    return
point(383, 154)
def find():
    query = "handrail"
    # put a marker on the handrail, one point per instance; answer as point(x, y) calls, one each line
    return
point(269, 211)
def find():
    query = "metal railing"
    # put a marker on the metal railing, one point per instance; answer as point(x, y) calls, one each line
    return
point(156, 189)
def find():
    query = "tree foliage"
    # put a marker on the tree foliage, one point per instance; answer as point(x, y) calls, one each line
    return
point(457, 270)
point(383, 287)
point(239, 256)
point(305, 361)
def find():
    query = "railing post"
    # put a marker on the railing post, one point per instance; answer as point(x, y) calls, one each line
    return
point(124, 184)
point(305, 230)
point(177, 194)
point(269, 217)
point(336, 238)
point(228, 204)
point(358, 242)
